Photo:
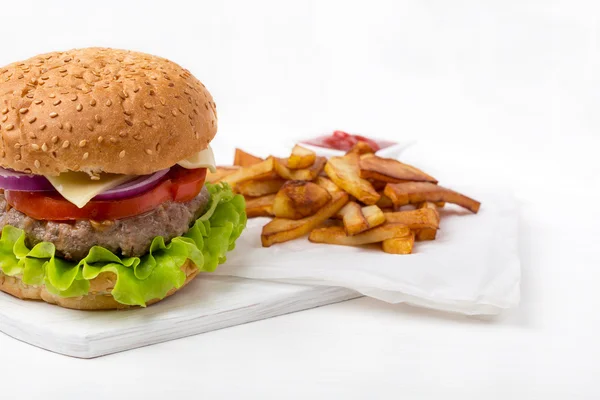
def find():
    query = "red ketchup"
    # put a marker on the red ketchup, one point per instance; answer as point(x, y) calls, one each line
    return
point(341, 140)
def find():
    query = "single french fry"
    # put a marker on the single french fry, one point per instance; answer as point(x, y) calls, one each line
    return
point(415, 219)
point(345, 173)
point(257, 171)
point(425, 234)
point(299, 199)
point(418, 192)
point(403, 245)
point(256, 188)
point(328, 184)
point(390, 170)
point(337, 235)
point(282, 230)
point(260, 206)
point(301, 158)
point(222, 172)
point(244, 159)
point(361, 148)
point(305, 174)
point(373, 215)
point(353, 219)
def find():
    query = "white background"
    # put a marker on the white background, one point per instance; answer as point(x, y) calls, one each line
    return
point(498, 93)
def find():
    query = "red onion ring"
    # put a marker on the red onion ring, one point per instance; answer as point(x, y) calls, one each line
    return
point(19, 181)
point(134, 187)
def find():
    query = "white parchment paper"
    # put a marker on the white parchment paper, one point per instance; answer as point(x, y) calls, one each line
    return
point(472, 267)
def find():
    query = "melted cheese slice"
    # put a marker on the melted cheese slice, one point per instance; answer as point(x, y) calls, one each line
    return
point(202, 159)
point(79, 188)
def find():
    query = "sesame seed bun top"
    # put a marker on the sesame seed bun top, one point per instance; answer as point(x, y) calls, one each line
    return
point(101, 110)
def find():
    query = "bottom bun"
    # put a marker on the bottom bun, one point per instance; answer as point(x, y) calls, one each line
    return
point(99, 297)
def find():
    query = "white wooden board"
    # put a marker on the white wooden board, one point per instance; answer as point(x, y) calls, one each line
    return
point(206, 304)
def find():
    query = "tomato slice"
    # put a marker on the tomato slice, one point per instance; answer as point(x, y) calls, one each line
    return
point(181, 185)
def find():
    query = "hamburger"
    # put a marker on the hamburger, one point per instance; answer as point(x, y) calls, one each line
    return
point(103, 201)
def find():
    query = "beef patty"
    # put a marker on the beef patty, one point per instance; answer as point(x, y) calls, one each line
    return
point(127, 237)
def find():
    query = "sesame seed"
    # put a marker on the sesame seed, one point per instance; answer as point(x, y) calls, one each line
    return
point(149, 152)
point(38, 102)
point(122, 133)
point(85, 155)
point(174, 112)
point(206, 106)
point(31, 120)
point(4, 110)
point(10, 127)
point(148, 123)
point(126, 112)
point(98, 118)
point(18, 157)
point(57, 102)
point(137, 136)
point(108, 103)
point(90, 127)
point(60, 125)
point(42, 127)
point(4, 118)
point(18, 145)
point(74, 97)
point(148, 106)
point(113, 139)
point(92, 102)
point(161, 115)
point(65, 144)
point(181, 110)
point(82, 143)
point(122, 154)
point(37, 163)
point(128, 122)
point(44, 147)
point(100, 139)
point(53, 114)
point(157, 147)
point(54, 139)
point(52, 95)
point(69, 126)
point(79, 107)
point(33, 146)
point(24, 110)
point(162, 101)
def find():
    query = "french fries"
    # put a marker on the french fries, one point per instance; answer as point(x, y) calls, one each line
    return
point(260, 206)
point(390, 170)
point(345, 173)
point(281, 230)
point(222, 172)
point(305, 193)
point(373, 215)
point(353, 219)
point(256, 188)
point(256, 171)
point(402, 245)
point(299, 199)
point(301, 158)
point(244, 159)
point(337, 235)
point(418, 192)
point(305, 174)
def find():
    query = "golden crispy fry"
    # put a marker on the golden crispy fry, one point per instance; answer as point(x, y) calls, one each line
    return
point(373, 215)
point(222, 172)
point(257, 171)
point(425, 234)
point(344, 172)
point(281, 230)
point(299, 199)
point(415, 219)
point(256, 188)
point(403, 245)
point(301, 158)
point(306, 174)
point(244, 159)
point(361, 148)
point(260, 206)
point(337, 235)
point(327, 184)
point(432, 205)
point(417, 192)
point(390, 170)
point(353, 219)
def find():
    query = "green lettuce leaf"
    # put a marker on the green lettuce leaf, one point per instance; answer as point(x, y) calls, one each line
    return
point(139, 279)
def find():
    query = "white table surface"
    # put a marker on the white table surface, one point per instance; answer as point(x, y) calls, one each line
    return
point(506, 94)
